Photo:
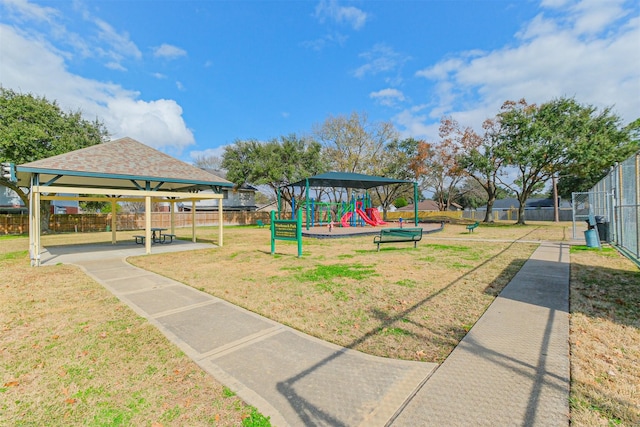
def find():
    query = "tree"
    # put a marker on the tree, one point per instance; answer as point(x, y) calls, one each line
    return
point(396, 162)
point(240, 160)
point(558, 137)
point(605, 143)
point(472, 194)
point(276, 163)
point(33, 128)
point(208, 162)
point(482, 161)
point(352, 144)
point(437, 166)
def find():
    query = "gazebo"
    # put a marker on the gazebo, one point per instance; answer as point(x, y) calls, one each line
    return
point(349, 180)
point(121, 170)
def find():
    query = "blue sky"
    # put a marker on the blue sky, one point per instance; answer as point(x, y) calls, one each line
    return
point(189, 77)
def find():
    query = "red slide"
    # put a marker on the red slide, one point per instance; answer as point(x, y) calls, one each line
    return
point(374, 214)
point(345, 219)
point(364, 216)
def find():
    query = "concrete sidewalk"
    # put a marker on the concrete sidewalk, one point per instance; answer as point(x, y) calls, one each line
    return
point(511, 369)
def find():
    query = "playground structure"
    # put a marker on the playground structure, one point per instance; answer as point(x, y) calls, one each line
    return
point(358, 211)
point(341, 214)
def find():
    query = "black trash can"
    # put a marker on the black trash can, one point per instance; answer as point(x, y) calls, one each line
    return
point(603, 228)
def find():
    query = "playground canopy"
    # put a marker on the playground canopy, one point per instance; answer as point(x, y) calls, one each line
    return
point(347, 180)
point(352, 180)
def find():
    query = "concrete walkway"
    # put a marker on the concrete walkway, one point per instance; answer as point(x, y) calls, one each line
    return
point(512, 368)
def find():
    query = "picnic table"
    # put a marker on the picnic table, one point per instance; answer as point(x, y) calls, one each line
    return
point(157, 236)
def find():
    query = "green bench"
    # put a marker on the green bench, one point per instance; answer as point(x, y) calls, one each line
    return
point(472, 227)
point(393, 235)
point(259, 223)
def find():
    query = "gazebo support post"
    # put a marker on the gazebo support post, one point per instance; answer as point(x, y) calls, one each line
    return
point(147, 224)
point(193, 221)
point(220, 222)
point(172, 207)
point(114, 220)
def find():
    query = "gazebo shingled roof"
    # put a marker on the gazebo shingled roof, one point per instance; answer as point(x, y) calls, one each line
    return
point(116, 164)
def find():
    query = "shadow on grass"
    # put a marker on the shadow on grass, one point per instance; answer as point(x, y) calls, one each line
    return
point(309, 413)
point(604, 294)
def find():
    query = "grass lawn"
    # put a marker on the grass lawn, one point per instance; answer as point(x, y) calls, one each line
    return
point(63, 336)
point(72, 354)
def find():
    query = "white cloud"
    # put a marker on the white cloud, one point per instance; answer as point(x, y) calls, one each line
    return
point(579, 51)
point(24, 9)
point(115, 66)
point(32, 66)
point(327, 40)
point(330, 9)
point(101, 41)
point(380, 59)
point(168, 51)
point(118, 43)
point(209, 152)
point(413, 124)
point(388, 97)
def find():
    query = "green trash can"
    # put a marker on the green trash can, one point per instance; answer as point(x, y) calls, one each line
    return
point(591, 236)
point(108, 228)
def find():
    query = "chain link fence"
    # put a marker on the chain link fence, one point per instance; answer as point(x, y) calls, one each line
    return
point(616, 198)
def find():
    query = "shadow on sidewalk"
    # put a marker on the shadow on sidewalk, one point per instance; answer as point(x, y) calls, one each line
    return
point(309, 413)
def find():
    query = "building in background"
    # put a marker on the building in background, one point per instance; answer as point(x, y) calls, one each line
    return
point(241, 198)
point(11, 203)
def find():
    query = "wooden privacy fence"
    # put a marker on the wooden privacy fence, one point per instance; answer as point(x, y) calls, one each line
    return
point(81, 223)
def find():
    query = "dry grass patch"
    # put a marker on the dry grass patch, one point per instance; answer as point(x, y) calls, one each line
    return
point(605, 338)
point(534, 230)
point(400, 302)
point(72, 354)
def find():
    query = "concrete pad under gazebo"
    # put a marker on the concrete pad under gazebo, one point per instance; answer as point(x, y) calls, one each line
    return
point(121, 170)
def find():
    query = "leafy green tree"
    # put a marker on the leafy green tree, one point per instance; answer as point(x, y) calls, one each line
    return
point(558, 137)
point(472, 194)
point(240, 160)
point(94, 206)
point(482, 161)
point(400, 202)
point(604, 144)
point(276, 163)
point(33, 128)
point(396, 162)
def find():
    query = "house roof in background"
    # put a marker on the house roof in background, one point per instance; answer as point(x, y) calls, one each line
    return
point(347, 180)
point(123, 164)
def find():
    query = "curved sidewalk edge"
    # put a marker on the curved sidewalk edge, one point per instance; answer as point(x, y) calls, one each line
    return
point(293, 378)
point(512, 368)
